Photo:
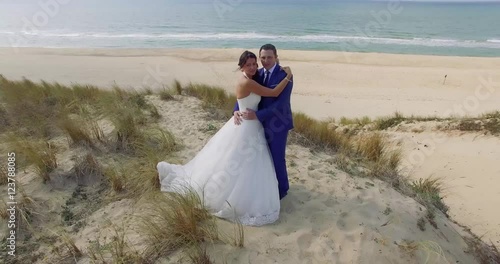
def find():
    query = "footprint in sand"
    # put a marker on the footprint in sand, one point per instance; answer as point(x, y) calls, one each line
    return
point(304, 241)
point(330, 202)
point(347, 222)
point(315, 175)
point(316, 249)
point(288, 205)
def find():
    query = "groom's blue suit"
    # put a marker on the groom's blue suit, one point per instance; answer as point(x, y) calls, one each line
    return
point(275, 114)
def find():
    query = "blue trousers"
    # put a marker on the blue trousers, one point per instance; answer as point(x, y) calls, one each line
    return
point(277, 145)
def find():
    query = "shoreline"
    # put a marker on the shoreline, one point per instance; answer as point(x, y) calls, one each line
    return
point(174, 49)
point(253, 48)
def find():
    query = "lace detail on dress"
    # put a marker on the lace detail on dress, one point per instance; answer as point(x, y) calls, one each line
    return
point(259, 220)
point(248, 220)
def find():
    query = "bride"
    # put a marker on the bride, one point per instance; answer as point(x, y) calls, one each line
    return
point(234, 172)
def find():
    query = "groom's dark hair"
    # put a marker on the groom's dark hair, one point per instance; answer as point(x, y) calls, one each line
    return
point(269, 47)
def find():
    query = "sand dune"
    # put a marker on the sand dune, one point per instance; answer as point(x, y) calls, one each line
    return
point(468, 165)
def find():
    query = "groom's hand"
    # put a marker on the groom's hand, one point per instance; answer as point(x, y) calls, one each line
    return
point(249, 114)
point(237, 117)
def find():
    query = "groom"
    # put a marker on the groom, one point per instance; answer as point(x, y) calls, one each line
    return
point(274, 113)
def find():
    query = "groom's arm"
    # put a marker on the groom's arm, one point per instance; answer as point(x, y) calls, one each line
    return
point(236, 107)
point(266, 113)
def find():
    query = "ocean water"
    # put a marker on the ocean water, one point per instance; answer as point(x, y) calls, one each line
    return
point(461, 29)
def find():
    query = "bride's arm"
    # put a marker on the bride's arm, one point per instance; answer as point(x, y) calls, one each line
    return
point(256, 88)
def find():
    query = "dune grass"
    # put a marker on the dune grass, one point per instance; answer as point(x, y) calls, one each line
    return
point(318, 134)
point(4, 121)
point(177, 87)
point(115, 179)
point(41, 154)
point(3, 174)
point(27, 210)
point(77, 133)
point(87, 168)
point(36, 115)
point(430, 190)
point(384, 123)
point(487, 122)
point(33, 109)
point(371, 146)
point(354, 121)
point(117, 250)
point(176, 221)
point(138, 178)
point(72, 250)
point(166, 95)
point(3, 210)
point(214, 98)
point(199, 255)
point(168, 92)
point(484, 253)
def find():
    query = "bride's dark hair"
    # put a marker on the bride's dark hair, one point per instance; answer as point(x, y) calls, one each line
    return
point(243, 59)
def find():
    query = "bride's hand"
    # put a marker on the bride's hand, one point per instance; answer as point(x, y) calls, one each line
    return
point(287, 70)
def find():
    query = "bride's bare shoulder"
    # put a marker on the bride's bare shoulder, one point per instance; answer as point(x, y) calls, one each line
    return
point(242, 81)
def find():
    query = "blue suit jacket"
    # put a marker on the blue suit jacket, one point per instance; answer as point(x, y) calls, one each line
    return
point(275, 113)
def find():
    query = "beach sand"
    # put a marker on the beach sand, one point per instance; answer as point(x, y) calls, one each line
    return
point(327, 84)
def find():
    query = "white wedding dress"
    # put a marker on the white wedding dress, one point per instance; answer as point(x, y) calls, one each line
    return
point(233, 173)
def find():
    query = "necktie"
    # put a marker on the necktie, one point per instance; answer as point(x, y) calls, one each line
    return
point(266, 77)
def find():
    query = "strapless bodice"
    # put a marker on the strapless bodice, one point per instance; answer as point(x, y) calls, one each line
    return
point(251, 101)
